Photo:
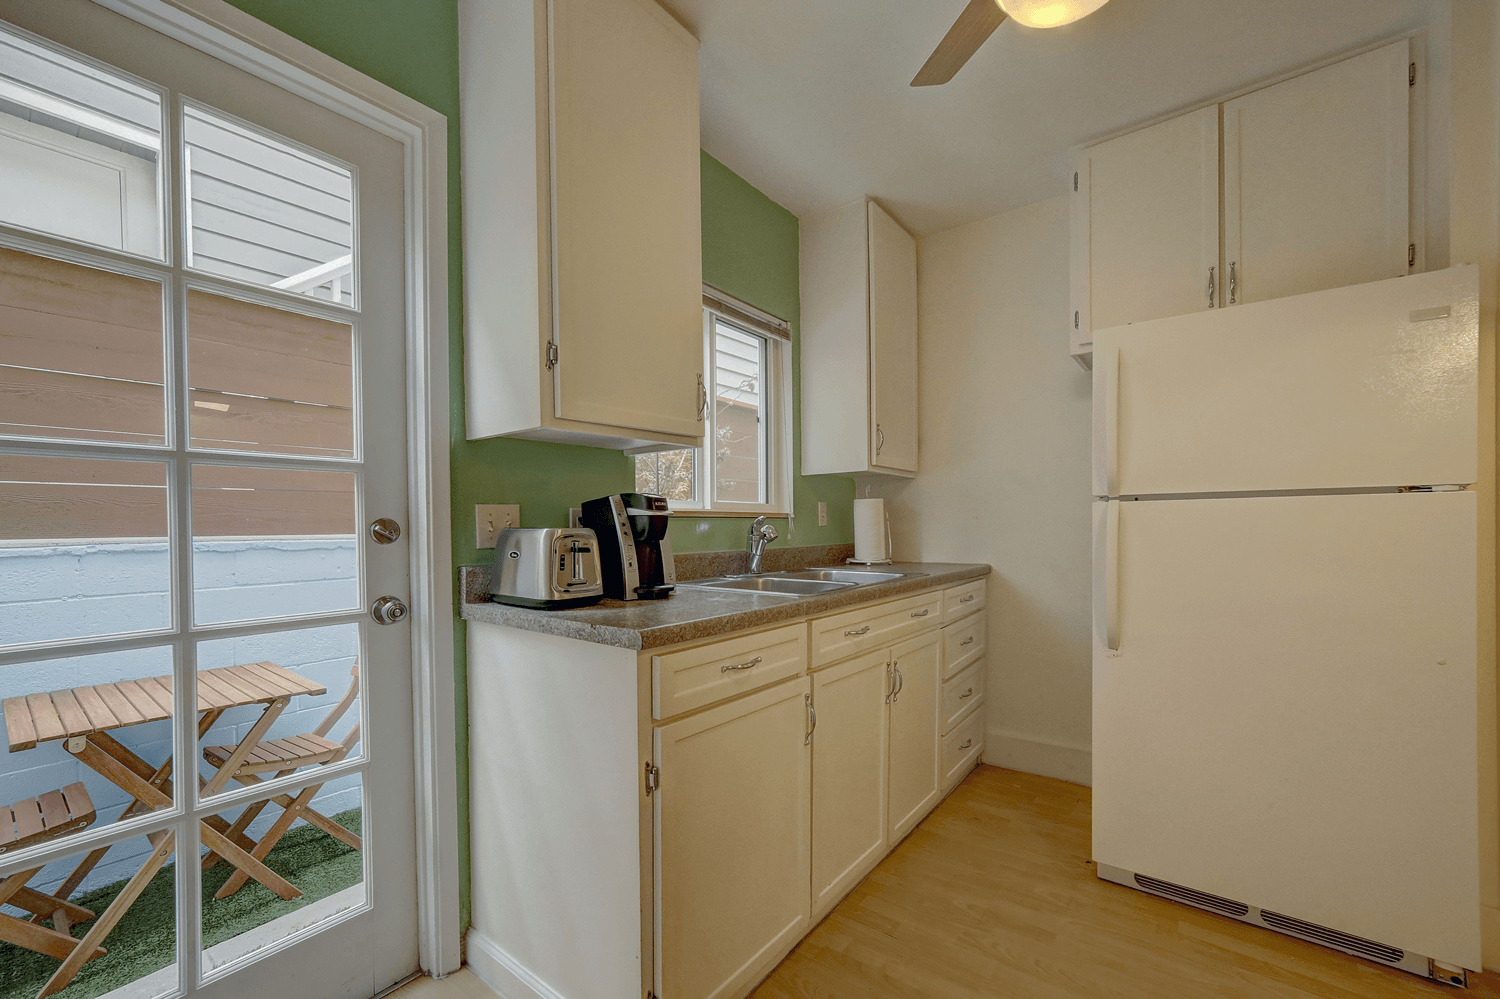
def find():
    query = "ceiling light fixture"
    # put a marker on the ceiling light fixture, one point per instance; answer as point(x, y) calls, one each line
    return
point(978, 21)
point(1049, 13)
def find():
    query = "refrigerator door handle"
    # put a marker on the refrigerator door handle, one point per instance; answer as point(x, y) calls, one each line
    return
point(1107, 577)
point(1106, 422)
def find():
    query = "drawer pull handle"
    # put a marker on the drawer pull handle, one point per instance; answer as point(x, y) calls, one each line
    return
point(967, 743)
point(967, 599)
point(966, 641)
point(727, 666)
point(921, 613)
point(967, 693)
point(861, 631)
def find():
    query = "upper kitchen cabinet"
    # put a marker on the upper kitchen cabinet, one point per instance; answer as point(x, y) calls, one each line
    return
point(1316, 188)
point(859, 343)
point(1145, 225)
point(583, 275)
point(1316, 193)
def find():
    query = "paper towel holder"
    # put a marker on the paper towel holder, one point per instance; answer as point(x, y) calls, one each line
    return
point(885, 516)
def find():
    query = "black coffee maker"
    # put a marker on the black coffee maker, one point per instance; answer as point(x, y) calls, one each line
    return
point(635, 557)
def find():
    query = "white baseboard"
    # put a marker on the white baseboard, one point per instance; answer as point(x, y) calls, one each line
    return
point(502, 973)
point(1039, 756)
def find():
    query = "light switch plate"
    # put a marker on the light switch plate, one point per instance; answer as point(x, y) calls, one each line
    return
point(491, 518)
point(822, 514)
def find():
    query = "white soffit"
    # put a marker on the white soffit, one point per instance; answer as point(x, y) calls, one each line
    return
point(809, 100)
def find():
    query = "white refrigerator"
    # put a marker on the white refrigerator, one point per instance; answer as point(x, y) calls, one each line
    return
point(1285, 588)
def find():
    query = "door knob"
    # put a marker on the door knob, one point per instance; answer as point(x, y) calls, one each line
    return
point(388, 610)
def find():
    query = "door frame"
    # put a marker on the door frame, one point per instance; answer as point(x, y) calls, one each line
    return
point(235, 37)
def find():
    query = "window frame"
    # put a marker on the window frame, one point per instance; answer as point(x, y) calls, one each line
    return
point(777, 464)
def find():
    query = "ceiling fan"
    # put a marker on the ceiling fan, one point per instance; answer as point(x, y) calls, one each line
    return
point(979, 20)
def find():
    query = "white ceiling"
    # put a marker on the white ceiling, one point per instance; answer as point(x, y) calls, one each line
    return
point(809, 99)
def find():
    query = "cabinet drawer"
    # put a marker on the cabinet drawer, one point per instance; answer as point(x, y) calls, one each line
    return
point(868, 628)
point(961, 748)
point(963, 644)
point(961, 694)
point(961, 600)
point(693, 678)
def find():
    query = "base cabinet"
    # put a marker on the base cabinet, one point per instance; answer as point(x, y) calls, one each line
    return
point(672, 821)
point(849, 773)
point(914, 777)
point(732, 840)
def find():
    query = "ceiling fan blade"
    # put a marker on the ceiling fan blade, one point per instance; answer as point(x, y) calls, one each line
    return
point(977, 22)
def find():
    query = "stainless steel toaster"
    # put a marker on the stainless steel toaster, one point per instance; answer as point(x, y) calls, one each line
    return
point(546, 568)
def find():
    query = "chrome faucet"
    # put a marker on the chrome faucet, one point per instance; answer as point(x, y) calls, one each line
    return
point(761, 534)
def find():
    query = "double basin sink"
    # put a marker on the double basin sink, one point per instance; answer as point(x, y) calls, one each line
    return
point(800, 582)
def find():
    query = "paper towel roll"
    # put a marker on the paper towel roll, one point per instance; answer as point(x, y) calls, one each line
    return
point(871, 531)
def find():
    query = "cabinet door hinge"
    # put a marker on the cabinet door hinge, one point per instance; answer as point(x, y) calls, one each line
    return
point(551, 354)
point(653, 778)
point(1411, 254)
point(1411, 75)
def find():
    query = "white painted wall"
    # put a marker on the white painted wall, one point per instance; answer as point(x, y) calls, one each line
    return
point(1004, 427)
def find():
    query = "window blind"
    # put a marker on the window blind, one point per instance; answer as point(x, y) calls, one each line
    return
point(747, 315)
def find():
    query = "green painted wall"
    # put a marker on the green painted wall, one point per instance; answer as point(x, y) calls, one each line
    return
point(749, 250)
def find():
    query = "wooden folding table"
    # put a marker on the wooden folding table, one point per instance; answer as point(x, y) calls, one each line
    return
point(83, 716)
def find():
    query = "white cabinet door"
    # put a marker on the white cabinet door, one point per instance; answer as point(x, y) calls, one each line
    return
point(1316, 179)
point(893, 343)
point(913, 767)
point(1145, 225)
point(1290, 718)
point(732, 830)
point(848, 774)
point(628, 257)
point(1375, 385)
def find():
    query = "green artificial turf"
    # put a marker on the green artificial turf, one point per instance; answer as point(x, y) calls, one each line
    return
point(145, 940)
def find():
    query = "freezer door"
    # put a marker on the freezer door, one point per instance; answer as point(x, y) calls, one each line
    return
point(1288, 718)
point(1367, 386)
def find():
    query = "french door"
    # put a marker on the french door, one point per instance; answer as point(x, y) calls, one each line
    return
point(203, 458)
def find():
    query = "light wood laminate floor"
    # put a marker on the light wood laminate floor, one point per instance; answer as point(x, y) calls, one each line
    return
point(993, 897)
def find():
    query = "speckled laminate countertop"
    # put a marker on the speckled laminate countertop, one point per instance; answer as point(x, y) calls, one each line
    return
point(691, 614)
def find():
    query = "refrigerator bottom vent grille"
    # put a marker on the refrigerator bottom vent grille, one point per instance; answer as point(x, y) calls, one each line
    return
point(1201, 899)
point(1384, 953)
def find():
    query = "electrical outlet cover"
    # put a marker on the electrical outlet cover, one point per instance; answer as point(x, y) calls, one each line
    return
point(822, 514)
point(491, 518)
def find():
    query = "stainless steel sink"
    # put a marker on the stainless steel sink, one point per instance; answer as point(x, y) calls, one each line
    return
point(859, 577)
point(799, 583)
point(770, 584)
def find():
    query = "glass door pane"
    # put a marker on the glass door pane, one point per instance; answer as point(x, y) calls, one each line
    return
point(271, 542)
point(80, 148)
point(81, 353)
point(83, 548)
point(269, 380)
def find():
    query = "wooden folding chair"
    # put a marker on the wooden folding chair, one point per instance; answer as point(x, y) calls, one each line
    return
point(26, 823)
point(286, 756)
